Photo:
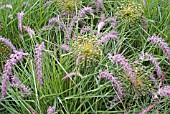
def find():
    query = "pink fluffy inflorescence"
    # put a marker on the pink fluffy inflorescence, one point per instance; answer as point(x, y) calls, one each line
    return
point(147, 109)
point(155, 63)
point(164, 91)
point(69, 75)
point(124, 63)
point(99, 4)
point(8, 68)
point(51, 110)
point(6, 6)
point(8, 43)
point(161, 43)
point(113, 80)
point(30, 31)
point(20, 17)
point(15, 82)
point(38, 62)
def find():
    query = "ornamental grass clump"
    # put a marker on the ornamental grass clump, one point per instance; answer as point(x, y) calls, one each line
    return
point(129, 12)
point(16, 57)
point(86, 44)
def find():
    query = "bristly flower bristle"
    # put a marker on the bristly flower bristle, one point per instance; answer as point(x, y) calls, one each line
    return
point(8, 43)
point(8, 68)
point(161, 43)
point(164, 91)
point(147, 109)
point(51, 110)
point(38, 61)
point(69, 75)
point(20, 18)
point(113, 80)
point(124, 63)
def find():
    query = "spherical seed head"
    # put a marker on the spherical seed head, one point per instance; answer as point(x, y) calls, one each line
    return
point(68, 6)
point(129, 12)
point(88, 46)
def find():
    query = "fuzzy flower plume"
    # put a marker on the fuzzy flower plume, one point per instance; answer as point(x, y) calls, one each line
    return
point(8, 68)
point(56, 20)
point(84, 11)
point(51, 110)
point(124, 63)
point(29, 30)
point(111, 35)
point(6, 6)
point(38, 62)
point(15, 82)
point(147, 109)
point(99, 4)
point(164, 91)
point(161, 43)
point(104, 22)
point(8, 43)
point(155, 63)
point(20, 17)
point(65, 47)
point(69, 75)
point(113, 80)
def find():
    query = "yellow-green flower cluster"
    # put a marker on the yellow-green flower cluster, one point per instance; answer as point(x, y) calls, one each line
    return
point(88, 47)
point(129, 12)
point(68, 6)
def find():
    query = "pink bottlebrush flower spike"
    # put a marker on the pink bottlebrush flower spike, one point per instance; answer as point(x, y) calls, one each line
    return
point(65, 47)
point(85, 10)
point(161, 43)
point(147, 109)
point(51, 110)
point(29, 30)
point(8, 43)
point(113, 80)
point(15, 82)
point(155, 63)
point(20, 17)
point(124, 63)
point(112, 35)
point(164, 91)
point(8, 68)
point(69, 75)
point(38, 62)
point(99, 4)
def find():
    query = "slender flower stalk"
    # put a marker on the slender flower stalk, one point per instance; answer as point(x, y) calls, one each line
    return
point(38, 62)
point(8, 68)
point(113, 80)
point(51, 110)
point(161, 43)
point(20, 17)
point(124, 63)
point(164, 91)
point(69, 75)
point(29, 30)
point(147, 109)
point(8, 43)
